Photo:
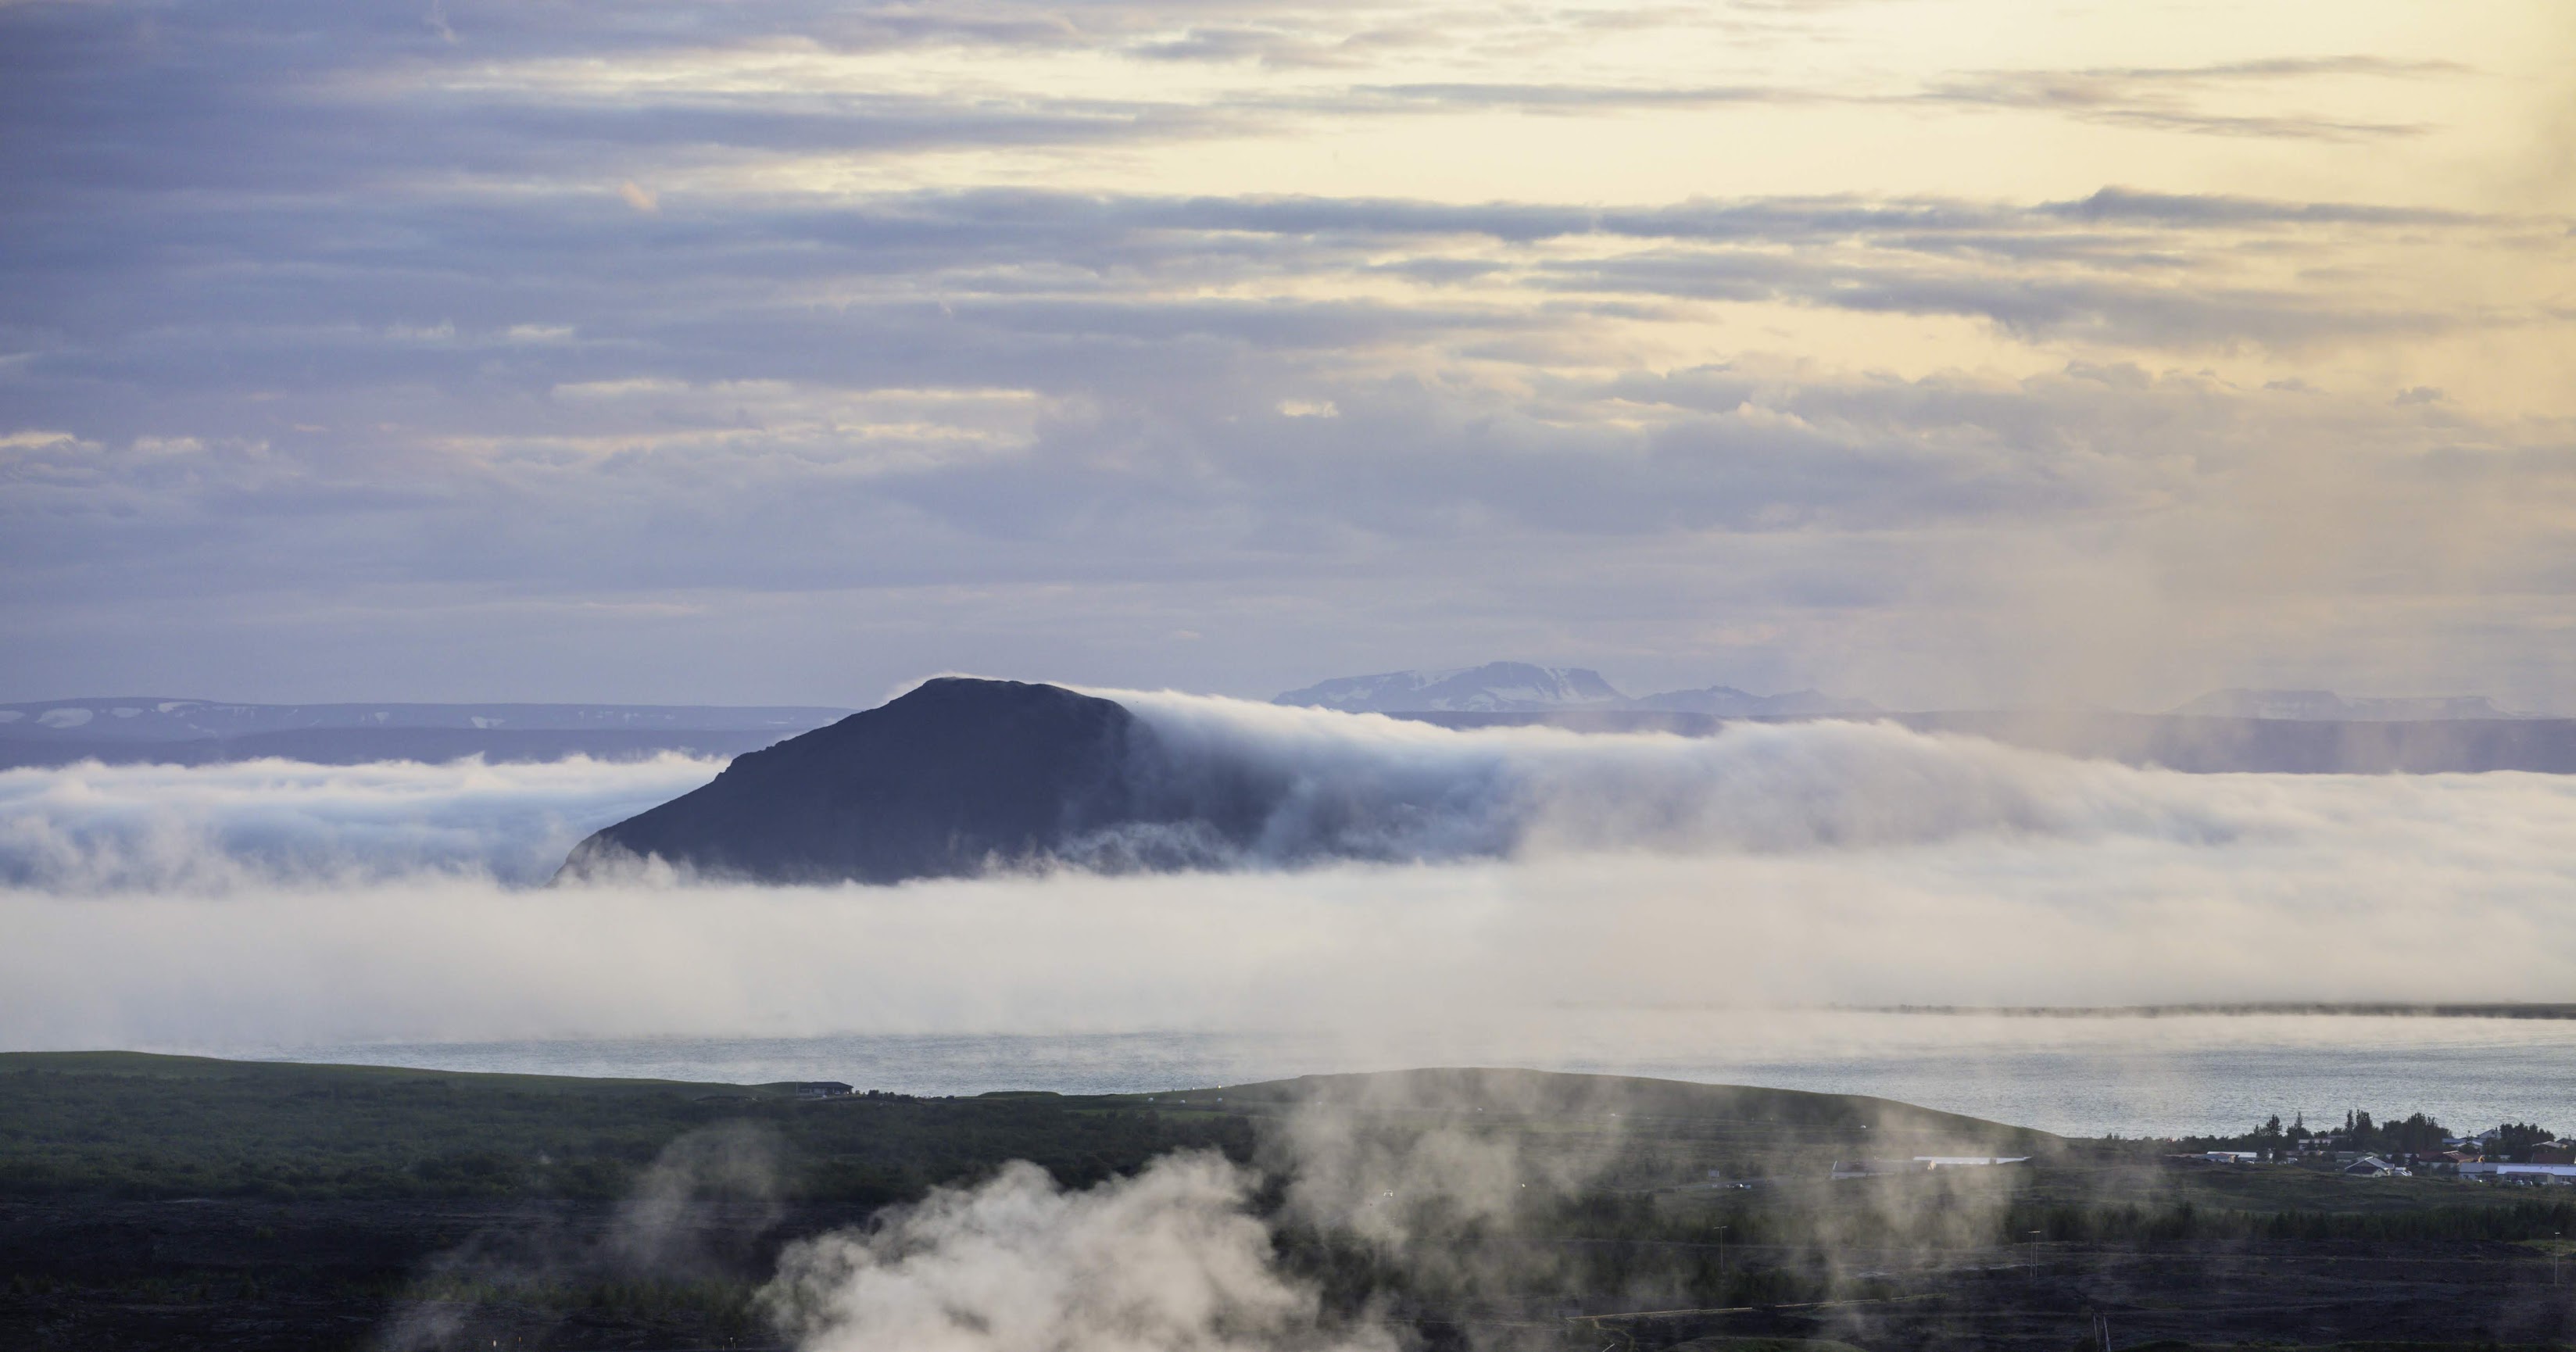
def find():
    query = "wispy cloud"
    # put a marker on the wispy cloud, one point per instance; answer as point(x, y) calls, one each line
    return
point(2176, 98)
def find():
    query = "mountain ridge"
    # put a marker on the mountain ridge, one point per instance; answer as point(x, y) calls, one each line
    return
point(154, 730)
point(2325, 706)
point(953, 778)
point(159, 719)
point(1528, 688)
point(1493, 687)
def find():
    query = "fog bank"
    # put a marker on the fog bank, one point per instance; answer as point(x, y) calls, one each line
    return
point(93, 828)
point(1325, 785)
point(2333, 914)
point(1803, 864)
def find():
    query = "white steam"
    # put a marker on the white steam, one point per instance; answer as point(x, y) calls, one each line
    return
point(1170, 1260)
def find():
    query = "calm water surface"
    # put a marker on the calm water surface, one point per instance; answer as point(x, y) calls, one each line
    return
point(2158, 1076)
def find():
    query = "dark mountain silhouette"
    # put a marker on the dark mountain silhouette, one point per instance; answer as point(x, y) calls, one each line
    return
point(949, 780)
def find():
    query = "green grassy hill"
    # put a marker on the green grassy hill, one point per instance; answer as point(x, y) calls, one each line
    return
point(139, 1125)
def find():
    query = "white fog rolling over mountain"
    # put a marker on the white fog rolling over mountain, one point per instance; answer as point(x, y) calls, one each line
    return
point(1813, 863)
point(138, 828)
point(1372, 787)
point(1345, 788)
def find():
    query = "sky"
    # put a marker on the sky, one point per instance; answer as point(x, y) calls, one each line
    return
point(1944, 353)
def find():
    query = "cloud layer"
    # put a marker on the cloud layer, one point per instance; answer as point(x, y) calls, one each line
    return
point(1813, 864)
point(216, 829)
point(1342, 787)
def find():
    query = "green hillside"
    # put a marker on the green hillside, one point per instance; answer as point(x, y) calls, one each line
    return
point(133, 1125)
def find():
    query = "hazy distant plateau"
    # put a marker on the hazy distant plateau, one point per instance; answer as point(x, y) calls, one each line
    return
point(208, 733)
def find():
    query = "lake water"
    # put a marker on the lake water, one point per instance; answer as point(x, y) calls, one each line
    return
point(2166, 1075)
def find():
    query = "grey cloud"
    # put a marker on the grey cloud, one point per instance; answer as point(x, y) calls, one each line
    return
point(2173, 209)
point(2136, 313)
point(1217, 44)
point(2160, 97)
point(1141, 488)
point(486, 268)
point(1092, 329)
point(2287, 67)
point(2101, 101)
point(1569, 98)
point(1280, 49)
point(300, 98)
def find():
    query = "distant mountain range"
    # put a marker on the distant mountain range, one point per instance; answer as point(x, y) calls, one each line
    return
point(1520, 687)
point(1526, 688)
point(2325, 706)
point(2239, 729)
point(195, 731)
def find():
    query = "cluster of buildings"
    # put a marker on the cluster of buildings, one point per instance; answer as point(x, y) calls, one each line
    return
point(2478, 1158)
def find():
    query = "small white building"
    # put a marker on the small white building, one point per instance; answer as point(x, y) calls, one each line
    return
point(1920, 1164)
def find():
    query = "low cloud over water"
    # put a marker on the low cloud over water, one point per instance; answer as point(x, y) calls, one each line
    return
point(1806, 864)
point(93, 828)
